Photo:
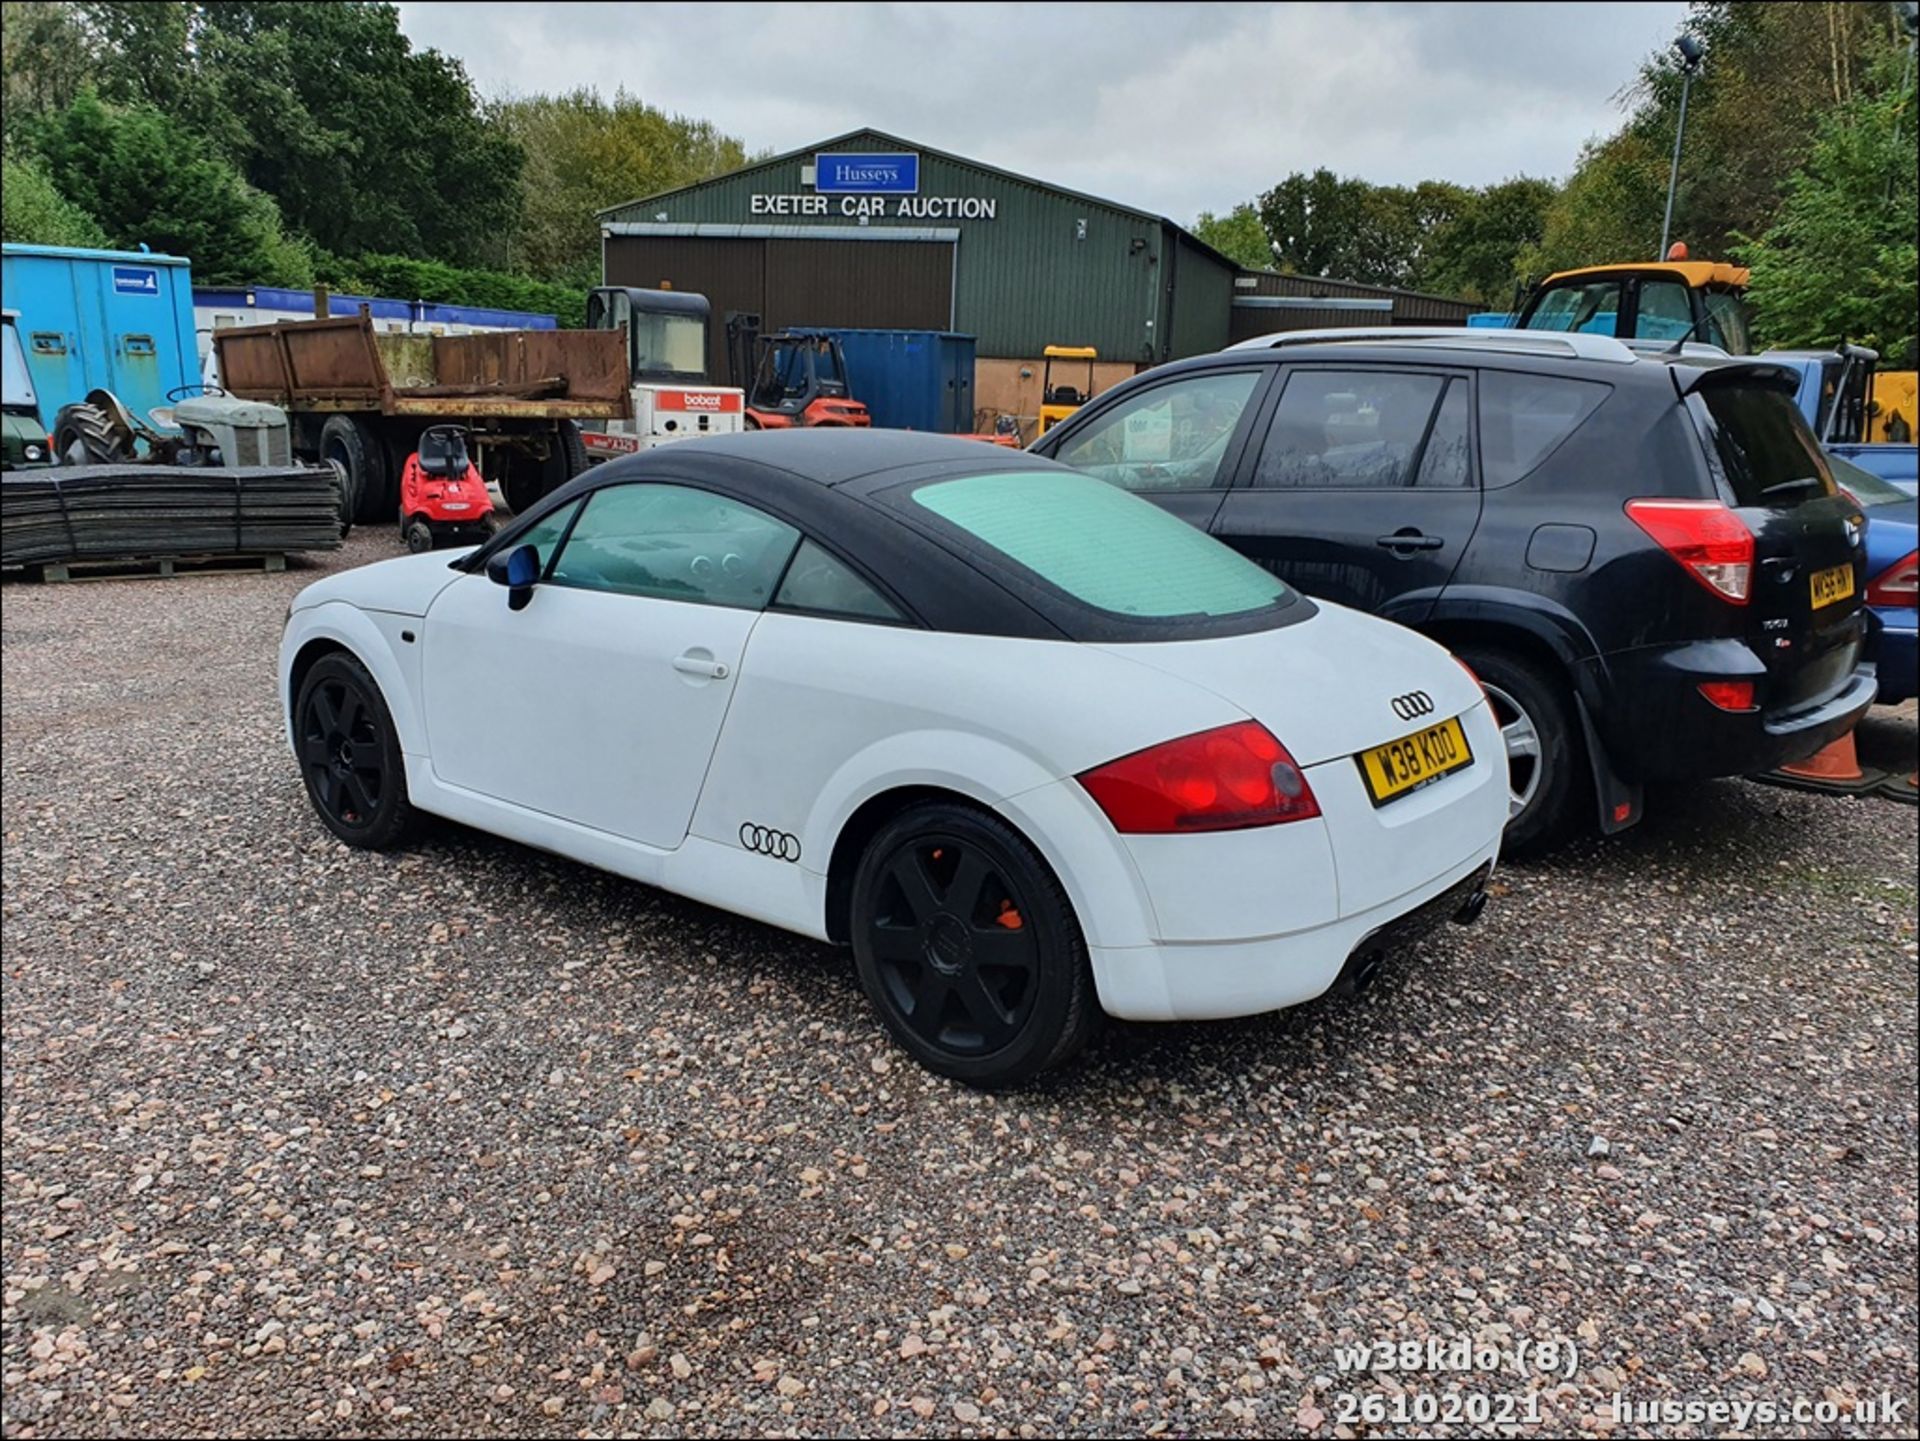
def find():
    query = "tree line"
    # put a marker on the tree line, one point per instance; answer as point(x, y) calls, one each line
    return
point(289, 144)
point(1799, 161)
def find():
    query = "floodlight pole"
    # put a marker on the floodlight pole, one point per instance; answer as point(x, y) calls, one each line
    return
point(1688, 65)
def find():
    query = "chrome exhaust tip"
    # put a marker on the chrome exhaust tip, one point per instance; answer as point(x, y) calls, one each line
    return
point(1469, 911)
point(1359, 972)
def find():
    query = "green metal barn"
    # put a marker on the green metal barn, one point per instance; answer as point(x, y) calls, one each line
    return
point(871, 230)
point(883, 232)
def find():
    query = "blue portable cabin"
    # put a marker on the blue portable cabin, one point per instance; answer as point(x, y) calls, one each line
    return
point(909, 379)
point(116, 320)
point(217, 307)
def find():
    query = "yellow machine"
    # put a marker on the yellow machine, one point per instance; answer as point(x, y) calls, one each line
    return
point(1893, 417)
point(1669, 299)
point(1057, 402)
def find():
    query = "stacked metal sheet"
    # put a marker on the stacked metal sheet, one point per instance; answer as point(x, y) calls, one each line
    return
point(130, 512)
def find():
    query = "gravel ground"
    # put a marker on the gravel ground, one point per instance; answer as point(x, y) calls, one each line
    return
point(300, 1141)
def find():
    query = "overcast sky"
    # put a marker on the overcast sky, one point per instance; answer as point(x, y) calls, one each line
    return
point(1170, 107)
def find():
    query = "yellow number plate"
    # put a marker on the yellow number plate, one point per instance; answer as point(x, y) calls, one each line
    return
point(1834, 583)
point(1400, 767)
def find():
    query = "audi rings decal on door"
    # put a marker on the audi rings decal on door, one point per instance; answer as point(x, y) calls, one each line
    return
point(1413, 705)
point(765, 841)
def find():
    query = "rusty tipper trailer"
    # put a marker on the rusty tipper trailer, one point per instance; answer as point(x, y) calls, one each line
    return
point(360, 398)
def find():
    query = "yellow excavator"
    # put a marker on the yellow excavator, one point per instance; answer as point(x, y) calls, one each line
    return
point(1678, 298)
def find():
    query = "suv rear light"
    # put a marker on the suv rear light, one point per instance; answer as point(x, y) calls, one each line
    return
point(1732, 695)
point(1706, 537)
point(1231, 778)
point(1898, 584)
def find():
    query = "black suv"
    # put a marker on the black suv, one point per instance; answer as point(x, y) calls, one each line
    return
point(1641, 554)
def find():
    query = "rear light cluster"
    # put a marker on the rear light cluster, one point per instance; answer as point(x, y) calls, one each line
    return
point(1732, 695)
point(1706, 537)
point(1898, 584)
point(1231, 778)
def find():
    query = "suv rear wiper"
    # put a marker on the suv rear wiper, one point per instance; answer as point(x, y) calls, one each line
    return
point(1796, 484)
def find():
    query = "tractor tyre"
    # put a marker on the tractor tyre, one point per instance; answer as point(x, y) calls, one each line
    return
point(86, 435)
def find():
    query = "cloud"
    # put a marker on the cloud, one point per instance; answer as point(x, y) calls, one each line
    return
point(1175, 108)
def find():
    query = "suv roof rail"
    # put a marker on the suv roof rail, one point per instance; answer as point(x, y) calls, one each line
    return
point(1570, 343)
point(1692, 349)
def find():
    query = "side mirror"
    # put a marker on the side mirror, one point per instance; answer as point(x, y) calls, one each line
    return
point(519, 571)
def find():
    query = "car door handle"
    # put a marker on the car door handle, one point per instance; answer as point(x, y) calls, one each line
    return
point(703, 666)
point(1410, 540)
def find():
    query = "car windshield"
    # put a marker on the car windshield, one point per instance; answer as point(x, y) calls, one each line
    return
point(1863, 485)
point(18, 387)
point(1101, 546)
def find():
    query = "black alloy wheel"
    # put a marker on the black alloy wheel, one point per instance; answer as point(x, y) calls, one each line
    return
point(969, 949)
point(349, 754)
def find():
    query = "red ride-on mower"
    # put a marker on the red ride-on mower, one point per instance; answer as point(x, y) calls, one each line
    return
point(442, 497)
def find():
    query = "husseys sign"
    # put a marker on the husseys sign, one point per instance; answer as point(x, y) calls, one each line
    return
point(865, 185)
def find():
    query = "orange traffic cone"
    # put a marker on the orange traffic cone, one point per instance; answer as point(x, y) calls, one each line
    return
point(1835, 769)
point(1837, 761)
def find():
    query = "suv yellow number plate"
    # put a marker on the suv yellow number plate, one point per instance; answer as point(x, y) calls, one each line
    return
point(1400, 767)
point(1831, 584)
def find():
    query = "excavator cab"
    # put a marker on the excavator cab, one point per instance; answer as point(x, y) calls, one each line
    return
point(666, 330)
point(1675, 299)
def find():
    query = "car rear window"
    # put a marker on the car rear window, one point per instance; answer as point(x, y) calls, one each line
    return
point(1765, 451)
point(1523, 419)
point(1101, 546)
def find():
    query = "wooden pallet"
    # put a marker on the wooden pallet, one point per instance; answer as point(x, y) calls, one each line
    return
point(154, 567)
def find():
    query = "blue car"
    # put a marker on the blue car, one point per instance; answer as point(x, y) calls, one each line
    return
point(1893, 577)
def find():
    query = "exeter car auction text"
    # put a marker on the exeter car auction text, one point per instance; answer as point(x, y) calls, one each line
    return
point(905, 207)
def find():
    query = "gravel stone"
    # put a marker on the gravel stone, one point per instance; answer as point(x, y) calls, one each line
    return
point(468, 1139)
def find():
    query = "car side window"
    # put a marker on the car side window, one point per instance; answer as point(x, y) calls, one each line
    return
point(1523, 419)
point(672, 542)
point(1447, 461)
point(1168, 437)
point(822, 584)
point(1348, 430)
point(544, 535)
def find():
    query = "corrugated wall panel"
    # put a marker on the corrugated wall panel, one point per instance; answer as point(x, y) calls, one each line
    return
point(730, 273)
point(1202, 297)
point(873, 284)
point(1409, 307)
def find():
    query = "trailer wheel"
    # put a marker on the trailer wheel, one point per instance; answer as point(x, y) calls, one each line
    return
point(528, 482)
point(568, 457)
point(350, 445)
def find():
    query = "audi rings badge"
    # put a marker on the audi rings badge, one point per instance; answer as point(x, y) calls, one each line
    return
point(765, 841)
point(1413, 705)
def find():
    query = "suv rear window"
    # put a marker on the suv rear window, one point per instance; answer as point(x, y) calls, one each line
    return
point(1764, 452)
point(1101, 546)
point(1523, 419)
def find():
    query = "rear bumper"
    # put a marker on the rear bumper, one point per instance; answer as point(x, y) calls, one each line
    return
point(1896, 650)
point(1199, 981)
point(1660, 728)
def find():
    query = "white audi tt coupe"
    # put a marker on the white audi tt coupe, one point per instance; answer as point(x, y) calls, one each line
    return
point(1030, 745)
